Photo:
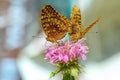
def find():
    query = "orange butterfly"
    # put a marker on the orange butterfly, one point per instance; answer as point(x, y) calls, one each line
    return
point(56, 25)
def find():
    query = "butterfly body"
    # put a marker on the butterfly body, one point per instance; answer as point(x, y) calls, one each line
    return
point(56, 25)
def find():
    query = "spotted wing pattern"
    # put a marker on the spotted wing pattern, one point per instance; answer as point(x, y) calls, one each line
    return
point(76, 16)
point(75, 19)
point(54, 24)
point(77, 31)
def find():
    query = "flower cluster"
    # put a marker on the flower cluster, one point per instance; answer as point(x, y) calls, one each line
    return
point(67, 51)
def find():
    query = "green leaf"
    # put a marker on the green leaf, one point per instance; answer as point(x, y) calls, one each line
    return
point(52, 74)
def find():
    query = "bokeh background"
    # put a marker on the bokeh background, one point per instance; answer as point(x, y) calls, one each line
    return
point(22, 56)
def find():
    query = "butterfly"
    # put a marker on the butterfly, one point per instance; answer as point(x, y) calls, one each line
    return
point(55, 25)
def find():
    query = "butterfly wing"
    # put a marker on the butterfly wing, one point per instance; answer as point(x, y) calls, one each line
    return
point(76, 16)
point(75, 19)
point(90, 26)
point(54, 24)
point(77, 31)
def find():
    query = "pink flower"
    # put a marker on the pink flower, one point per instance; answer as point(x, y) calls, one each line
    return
point(67, 51)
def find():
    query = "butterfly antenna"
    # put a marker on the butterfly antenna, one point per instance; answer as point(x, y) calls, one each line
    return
point(90, 26)
point(36, 37)
point(93, 32)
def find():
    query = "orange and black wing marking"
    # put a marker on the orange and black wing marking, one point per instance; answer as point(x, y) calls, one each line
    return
point(54, 24)
point(77, 31)
point(75, 19)
point(76, 16)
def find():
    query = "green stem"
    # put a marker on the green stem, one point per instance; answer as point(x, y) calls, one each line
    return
point(67, 76)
